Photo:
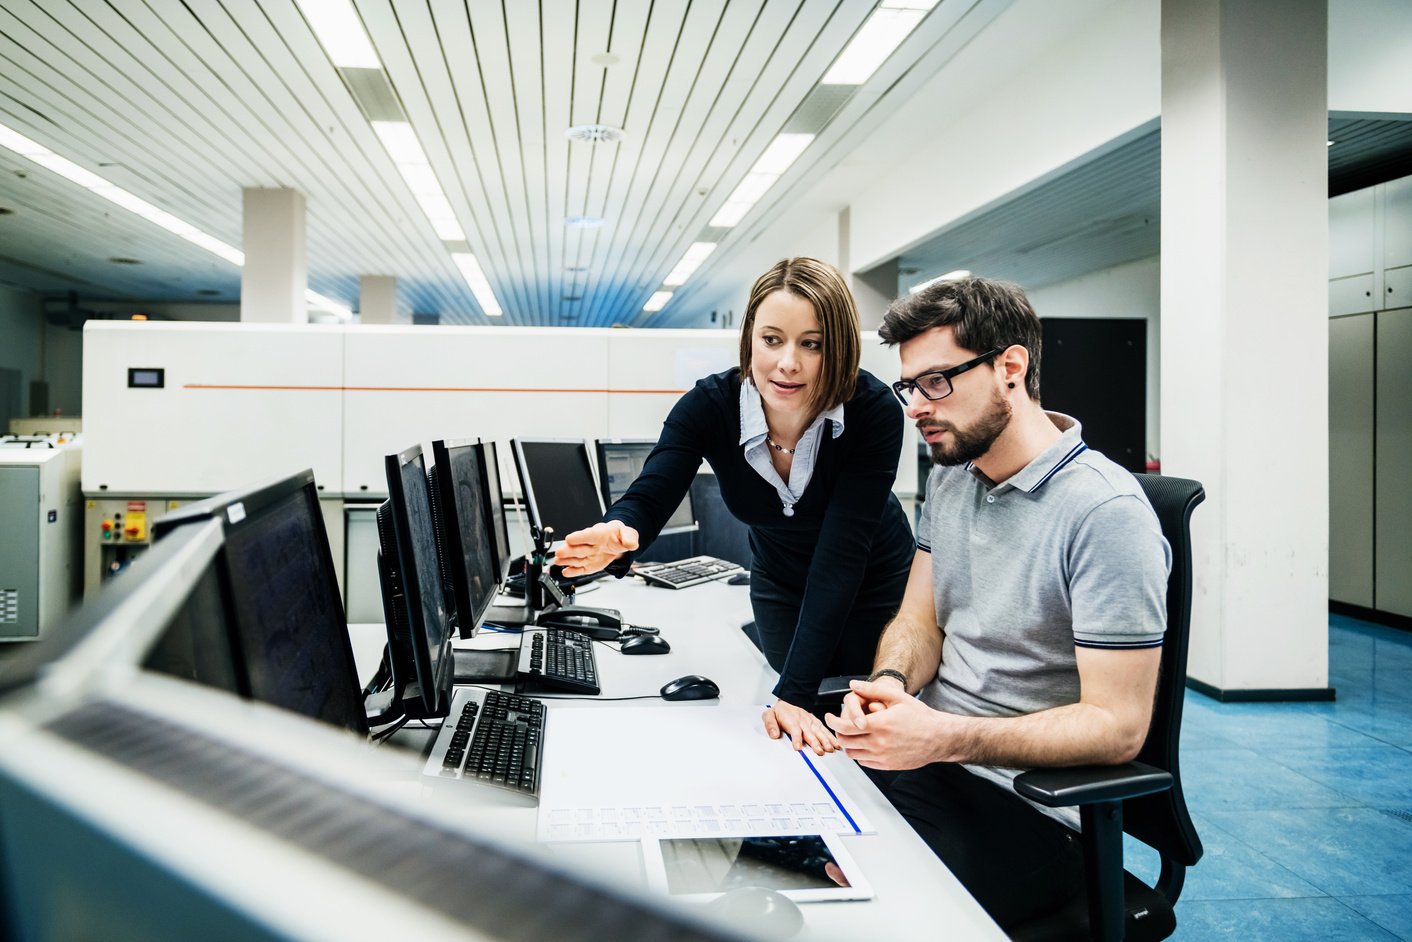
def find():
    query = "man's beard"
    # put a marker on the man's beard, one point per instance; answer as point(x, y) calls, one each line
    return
point(963, 445)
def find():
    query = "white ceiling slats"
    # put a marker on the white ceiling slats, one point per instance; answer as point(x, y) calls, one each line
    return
point(187, 104)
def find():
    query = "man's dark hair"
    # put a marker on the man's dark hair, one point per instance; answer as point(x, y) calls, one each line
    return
point(984, 313)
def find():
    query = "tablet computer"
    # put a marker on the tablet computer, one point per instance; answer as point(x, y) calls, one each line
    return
point(804, 867)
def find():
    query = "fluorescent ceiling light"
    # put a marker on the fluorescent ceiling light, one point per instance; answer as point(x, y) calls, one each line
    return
point(782, 152)
point(1330, 144)
point(923, 5)
point(321, 302)
point(400, 141)
point(730, 215)
point(658, 301)
point(67, 168)
point(753, 187)
point(20, 144)
point(956, 275)
point(692, 260)
point(95, 184)
point(341, 33)
point(879, 36)
point(420, 178)
point(480, 285)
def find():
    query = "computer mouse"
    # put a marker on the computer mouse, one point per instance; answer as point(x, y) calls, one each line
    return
point(645, 644)
point(740, 578)
point(690, 687)
point(763, 912)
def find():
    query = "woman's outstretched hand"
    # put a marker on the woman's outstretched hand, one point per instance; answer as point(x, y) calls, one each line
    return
point(587, 551)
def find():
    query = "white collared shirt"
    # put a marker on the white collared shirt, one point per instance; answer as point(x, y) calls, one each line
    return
point(753, 431)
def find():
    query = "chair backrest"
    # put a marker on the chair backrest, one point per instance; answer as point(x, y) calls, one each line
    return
point(1161, 821)
point(721, 534)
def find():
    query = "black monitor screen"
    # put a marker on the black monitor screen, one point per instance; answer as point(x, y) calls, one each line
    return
point(420, 572)
point(292, 633)
point(619, 464)
point(285, 620)
point(495, 503)
point(558, 483)
point(196, 644)
point(465, 532)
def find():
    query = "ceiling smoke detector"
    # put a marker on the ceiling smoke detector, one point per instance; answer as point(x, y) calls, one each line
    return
point(594, 134)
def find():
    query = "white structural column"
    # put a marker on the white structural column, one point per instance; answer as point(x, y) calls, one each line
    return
point(873, 290)
point(377, 299)
point(1245, 333)
point(276, 271)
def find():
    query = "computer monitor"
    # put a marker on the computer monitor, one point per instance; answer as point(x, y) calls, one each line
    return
point(556, 477)
point(460, 509)
point(620, 461)
point(495, 507)
point(286, 611)
point(167, 612)
point(419, 653)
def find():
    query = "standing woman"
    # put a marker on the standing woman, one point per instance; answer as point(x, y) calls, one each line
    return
point(805, 446)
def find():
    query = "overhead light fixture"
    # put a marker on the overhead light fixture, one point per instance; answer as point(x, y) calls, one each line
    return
point(401, 144)
point(320, 302)
point(95, 184)
point(692, 260)
point(783, 151)
point(956, 275)
point(584, 222)
point(594, 134)
point(341, 33)
point(479, 284)
point(658, 301)
point(1330, 144)
point(881, 34)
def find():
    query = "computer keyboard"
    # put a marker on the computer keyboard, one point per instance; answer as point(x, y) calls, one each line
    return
point(686, 572)
point(491, 737)
point(557, 659)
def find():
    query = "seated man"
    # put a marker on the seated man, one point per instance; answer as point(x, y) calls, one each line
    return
point(1032, 623)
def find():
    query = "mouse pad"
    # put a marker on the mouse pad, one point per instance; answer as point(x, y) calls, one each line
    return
point(624, 774)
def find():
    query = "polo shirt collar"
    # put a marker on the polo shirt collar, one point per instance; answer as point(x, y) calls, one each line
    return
point(1049, 462)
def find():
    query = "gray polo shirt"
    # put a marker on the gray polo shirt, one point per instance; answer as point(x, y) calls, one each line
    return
point(1066, 553)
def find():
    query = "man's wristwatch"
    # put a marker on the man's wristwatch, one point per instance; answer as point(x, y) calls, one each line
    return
point(889, 672)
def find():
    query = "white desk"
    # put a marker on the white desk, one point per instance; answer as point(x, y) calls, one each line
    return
point(915, 893)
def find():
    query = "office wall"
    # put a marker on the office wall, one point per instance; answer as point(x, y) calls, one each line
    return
point(242, 402)
point(1370, 64)
point(1043, 86)
point(1129, 290)
point(63, 369)
point(21, 343)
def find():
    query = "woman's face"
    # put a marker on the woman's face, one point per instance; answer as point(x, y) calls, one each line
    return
point(786, 352)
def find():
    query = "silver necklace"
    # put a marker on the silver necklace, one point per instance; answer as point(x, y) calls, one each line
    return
point(771, 442)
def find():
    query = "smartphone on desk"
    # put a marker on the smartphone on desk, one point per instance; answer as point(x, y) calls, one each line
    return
point(804, 867)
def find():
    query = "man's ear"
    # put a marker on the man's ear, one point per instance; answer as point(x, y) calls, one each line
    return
point(1013, 363)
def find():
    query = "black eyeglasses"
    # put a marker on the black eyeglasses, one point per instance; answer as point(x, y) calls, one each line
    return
point(937, 383)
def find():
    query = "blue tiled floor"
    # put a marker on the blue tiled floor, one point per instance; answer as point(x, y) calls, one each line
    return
point(1304, 809)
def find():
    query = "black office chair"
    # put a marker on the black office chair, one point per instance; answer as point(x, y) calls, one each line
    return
point(1143, 798)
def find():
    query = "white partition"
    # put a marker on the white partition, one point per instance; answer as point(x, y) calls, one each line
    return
point(651, 369)
point(239, 403)
point(242, 402)
point(413, 384)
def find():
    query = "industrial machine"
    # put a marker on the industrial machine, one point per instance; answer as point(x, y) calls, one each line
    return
point(40, 554)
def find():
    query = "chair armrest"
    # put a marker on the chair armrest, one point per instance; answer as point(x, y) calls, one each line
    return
point(1088, 784)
